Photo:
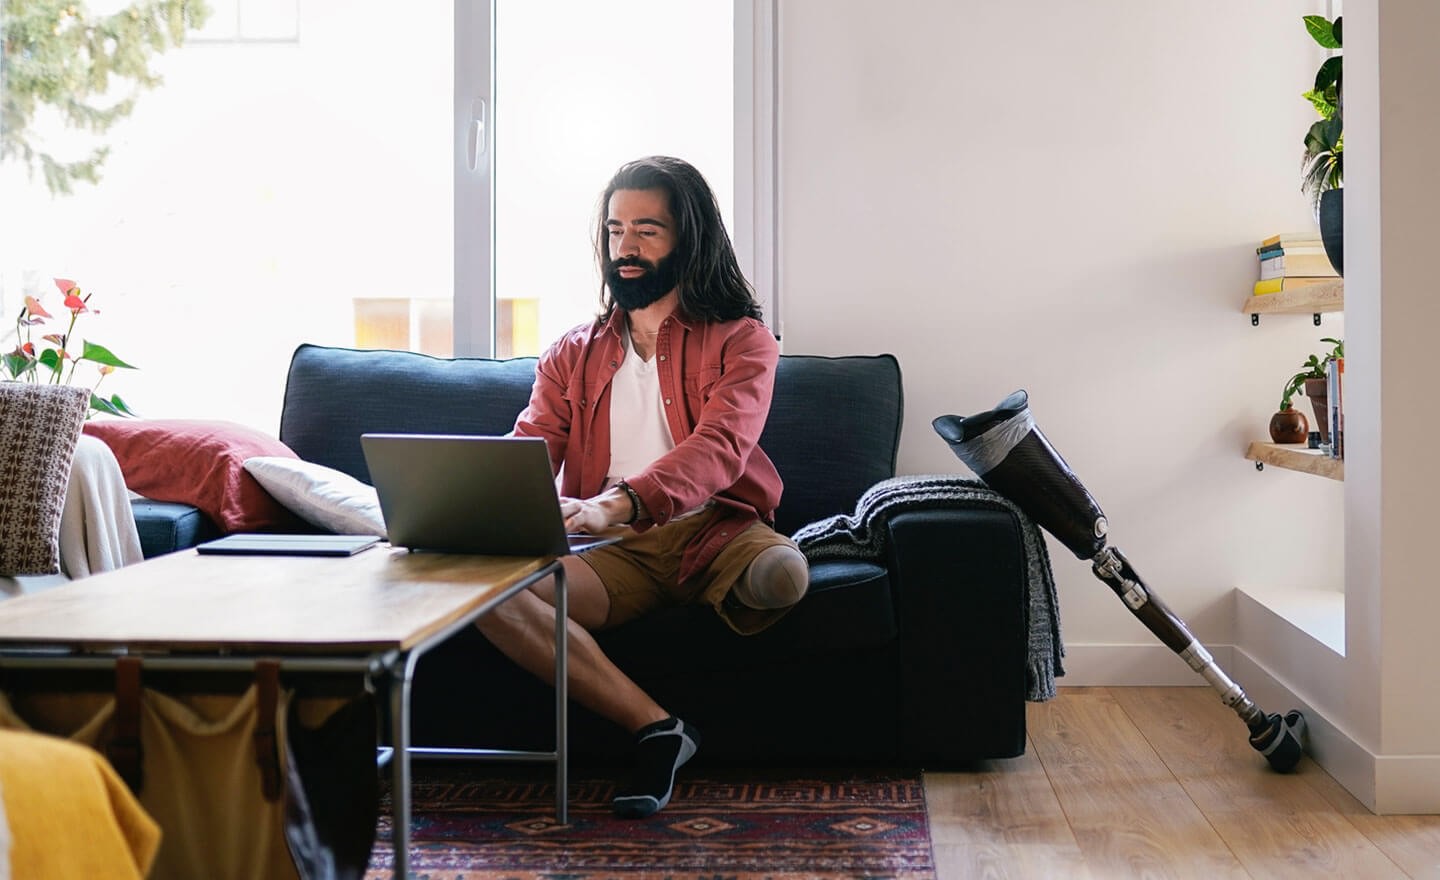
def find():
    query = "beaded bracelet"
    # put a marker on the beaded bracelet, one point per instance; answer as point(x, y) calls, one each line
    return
point(634, 502)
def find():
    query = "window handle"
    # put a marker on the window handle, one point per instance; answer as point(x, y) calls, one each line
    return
point(475, 146)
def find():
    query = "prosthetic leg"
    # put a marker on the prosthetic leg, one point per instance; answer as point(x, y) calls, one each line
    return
point(1006, 450)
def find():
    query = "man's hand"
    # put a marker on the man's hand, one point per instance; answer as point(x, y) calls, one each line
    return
point(611, 509)
point(591, 515)
point(583, 515)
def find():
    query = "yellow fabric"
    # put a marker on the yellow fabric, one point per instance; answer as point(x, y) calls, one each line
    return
point(201, 782)
point(69, 814)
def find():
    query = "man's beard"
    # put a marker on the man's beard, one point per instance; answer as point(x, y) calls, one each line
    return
point(636, 293)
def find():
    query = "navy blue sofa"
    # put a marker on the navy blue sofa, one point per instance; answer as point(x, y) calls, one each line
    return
point(914, 659)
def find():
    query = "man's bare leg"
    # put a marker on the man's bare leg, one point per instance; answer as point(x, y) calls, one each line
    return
point(523, 628)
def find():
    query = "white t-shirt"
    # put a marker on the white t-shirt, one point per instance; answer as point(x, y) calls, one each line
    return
point(638, 432)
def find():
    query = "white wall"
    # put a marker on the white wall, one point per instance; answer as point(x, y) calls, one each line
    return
point(1066, 197)
point(1392, 603)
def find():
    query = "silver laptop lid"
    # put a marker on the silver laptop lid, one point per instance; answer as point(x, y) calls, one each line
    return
point(467, 494)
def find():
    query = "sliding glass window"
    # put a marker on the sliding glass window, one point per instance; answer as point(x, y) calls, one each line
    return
point(344, 172)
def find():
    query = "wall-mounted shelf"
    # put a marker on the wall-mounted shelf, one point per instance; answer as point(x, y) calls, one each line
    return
point(1314, 299)
point(1296, 457)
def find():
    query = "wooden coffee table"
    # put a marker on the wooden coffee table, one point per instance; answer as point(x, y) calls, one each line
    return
point(374, 614)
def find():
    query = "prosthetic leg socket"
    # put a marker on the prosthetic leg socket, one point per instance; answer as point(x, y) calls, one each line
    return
point(1010, 454)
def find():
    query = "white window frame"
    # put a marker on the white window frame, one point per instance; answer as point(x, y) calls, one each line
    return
point(237, 35)
point(757, 220)
point(756, 158)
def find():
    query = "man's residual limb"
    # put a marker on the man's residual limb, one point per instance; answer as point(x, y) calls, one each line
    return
point(1011, 455)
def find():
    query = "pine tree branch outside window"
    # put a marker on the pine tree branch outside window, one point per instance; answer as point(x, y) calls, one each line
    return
point(58, 55)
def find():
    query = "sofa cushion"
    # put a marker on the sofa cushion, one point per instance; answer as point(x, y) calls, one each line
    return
point(833, 432)
point(200, 463)
point(333, 395)
point(322, 496)
point(39, 425)
point(167, 526)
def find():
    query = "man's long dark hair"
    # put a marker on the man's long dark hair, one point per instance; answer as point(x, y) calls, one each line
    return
point(712, 288)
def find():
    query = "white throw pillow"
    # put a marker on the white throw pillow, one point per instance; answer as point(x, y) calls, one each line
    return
point(321, 496)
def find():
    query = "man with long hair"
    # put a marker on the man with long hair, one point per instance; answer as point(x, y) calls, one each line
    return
point(652, 414)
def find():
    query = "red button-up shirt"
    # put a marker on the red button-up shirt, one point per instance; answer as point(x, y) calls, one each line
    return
point(716, 380)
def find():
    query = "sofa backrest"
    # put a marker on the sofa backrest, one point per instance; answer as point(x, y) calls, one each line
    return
point(333, 395)
point(833, 430)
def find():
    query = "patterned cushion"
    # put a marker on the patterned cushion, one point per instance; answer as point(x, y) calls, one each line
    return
point(38, 428)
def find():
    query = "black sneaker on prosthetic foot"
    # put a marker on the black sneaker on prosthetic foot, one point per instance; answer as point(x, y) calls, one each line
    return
point(661, 749)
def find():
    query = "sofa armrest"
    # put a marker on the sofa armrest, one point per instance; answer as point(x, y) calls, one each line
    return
point(167, 526)
point(959, 581)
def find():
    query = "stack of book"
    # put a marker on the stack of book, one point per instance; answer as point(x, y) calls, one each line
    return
point(1291, 260)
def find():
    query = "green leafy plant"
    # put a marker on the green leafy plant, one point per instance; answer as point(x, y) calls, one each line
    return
point(46, 360)
point(1322, 167)
point(1313, 368)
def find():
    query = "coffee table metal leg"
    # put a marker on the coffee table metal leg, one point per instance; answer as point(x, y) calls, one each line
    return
point(399, 688)
point(562, 701)
point(399, 671)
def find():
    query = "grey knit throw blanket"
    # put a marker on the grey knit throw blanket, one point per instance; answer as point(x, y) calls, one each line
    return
point(862, 536)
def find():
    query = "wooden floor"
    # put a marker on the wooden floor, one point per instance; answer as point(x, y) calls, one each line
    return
point(1160, 782)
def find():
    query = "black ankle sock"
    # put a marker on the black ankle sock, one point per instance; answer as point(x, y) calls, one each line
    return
point(661, 749)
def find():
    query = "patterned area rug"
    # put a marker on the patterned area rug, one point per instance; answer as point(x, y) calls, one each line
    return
point(486, 823)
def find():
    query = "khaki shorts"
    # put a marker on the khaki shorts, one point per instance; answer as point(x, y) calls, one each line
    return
point(641, 572)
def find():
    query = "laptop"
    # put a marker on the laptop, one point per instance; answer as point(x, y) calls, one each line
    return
point(493, 496)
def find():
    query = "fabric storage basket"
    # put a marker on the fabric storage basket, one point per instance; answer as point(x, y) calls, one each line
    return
point(252, 787)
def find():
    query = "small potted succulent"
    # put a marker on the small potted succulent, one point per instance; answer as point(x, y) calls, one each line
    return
point(1288, 425)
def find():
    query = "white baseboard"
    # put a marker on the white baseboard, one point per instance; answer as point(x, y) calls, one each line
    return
point(1385, 784)
point(1125, 665)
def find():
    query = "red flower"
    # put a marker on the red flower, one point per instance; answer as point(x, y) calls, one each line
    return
point(74, 303)
point(28, 348)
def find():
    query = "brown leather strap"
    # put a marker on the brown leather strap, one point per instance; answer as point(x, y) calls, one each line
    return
point(267, 753)
point(124, 751)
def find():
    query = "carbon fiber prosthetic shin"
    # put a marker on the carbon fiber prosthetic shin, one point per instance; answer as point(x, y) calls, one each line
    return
point(1010, 454)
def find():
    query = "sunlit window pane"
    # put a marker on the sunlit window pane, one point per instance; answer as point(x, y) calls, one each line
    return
point(270, 19)
point(580, 89)
point(267, 194)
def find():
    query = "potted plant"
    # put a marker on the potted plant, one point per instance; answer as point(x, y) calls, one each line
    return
point(1322, 166)
point(53, 358)
point(1288, 425)
point(1311, 378)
